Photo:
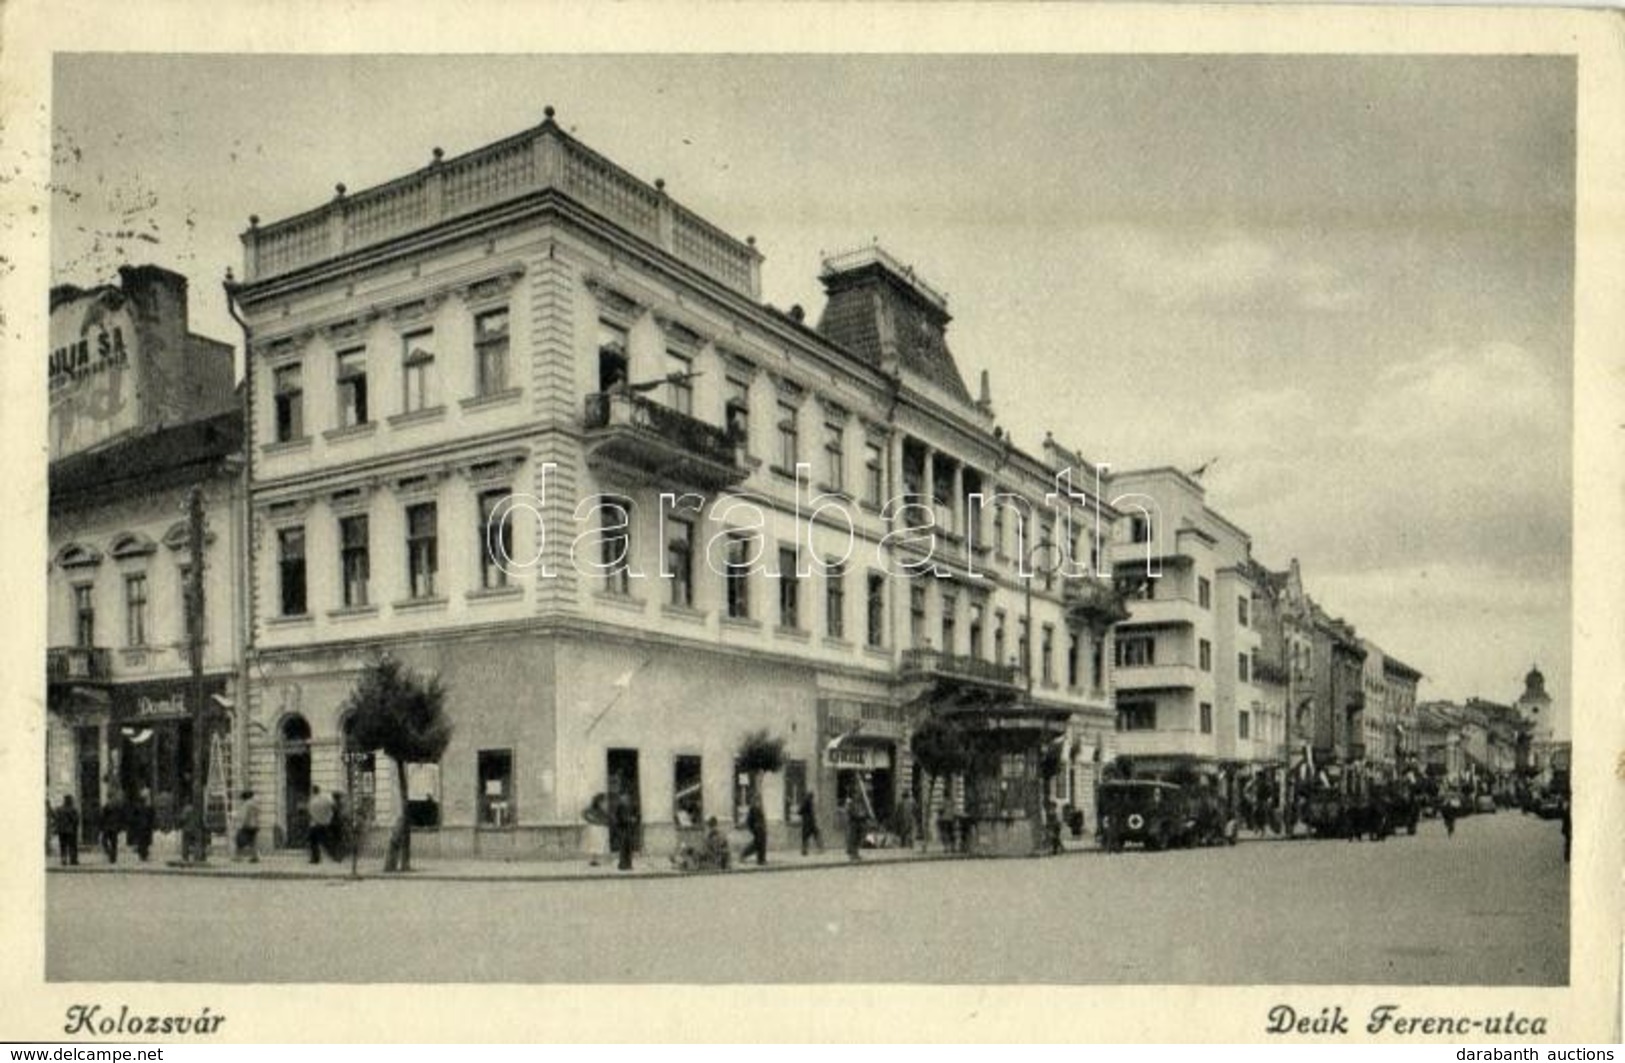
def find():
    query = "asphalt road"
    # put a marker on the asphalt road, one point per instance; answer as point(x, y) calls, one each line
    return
point(1487, 907)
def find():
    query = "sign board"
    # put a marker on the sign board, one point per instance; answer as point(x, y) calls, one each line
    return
point(94, 385)
point(853, 756)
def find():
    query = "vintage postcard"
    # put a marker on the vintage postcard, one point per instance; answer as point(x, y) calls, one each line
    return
point(994, 522)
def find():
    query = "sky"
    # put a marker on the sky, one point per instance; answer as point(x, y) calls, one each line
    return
point(1345, 284)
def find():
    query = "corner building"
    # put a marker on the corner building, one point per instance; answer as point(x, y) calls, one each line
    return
point(712, 509)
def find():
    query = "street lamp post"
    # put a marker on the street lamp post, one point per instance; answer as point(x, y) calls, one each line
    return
point(353, 759)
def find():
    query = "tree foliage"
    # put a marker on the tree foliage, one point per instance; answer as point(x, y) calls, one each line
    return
point(760, 753)
point(941, 747)
point(396, 711)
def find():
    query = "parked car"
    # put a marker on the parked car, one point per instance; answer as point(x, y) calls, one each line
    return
point(1549, 805)
point(1157, 815)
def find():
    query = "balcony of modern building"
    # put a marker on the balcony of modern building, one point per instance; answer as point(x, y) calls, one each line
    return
point(1154, 743)
point(632, 437)
point(1159, 676)
point(78, 664)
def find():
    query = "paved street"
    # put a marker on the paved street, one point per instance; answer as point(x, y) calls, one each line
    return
point(1487, 907)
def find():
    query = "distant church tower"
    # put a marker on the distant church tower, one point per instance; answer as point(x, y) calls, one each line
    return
point(1535, 706)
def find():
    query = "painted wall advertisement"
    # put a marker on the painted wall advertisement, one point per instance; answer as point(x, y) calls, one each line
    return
point(92, 370)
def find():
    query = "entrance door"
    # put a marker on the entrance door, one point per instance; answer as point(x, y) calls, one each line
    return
point(88, 739)
point(296, 781)
point(623, 781)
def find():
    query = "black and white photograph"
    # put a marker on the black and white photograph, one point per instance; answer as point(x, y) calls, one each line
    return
point(847, 518)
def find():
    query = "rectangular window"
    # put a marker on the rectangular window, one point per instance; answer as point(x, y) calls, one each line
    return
point(978, 620)
point(1140, 530)
point(1207, 718)
point(353, 561)
point(496, 538)
point(950, 622)
point(1243, 724)
point(875, 607)
point(789, 436)
point(1244, 671)
point(84, 615)
point(998, 638)
point(1047, 648)
point(688, 791)
point(1204, 655)
point(491, 351)
point(916, 615)
point(352, 386)
point(612, 355)
point(1243, 608)
point(736, 410)
point(616, 544)
point(1072, 648)
point(736, 576)
point(835, 601)
point(789, 590)
point(288, 383)
point(417, 368)
point(1204, 592)
point(1137, 715)
point(135, 609)
point(1136, 651)
point(998, 527)
point(422, 548)
point(496, 796)
point(680, 382)
point(680, 561)
point(291, 569)
point(423, 796)
point(874, 487)
point(835, 456)
point(1097, 664)
point(1024, 646)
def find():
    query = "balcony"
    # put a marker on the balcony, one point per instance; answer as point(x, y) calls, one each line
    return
point(1166, 612)
point(78, 664)
point(629, 436)
point(935, 665)
point(1145, 744)
point(1157, 677)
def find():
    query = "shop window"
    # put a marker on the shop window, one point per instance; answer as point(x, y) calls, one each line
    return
point(688, 794)
point(290, 570)
point(496, 538)
point(135, 609)
point(423, 794)
point(491, 351)
point(496, 797)
point(354, 560)
point(417, 370)
point(287, 383)
point(422, 548)
point(352, 387)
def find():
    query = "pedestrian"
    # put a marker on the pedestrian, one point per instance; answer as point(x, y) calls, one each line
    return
point(717, 855)
point(322, 811)
point(626, 825)
point(855, 820)
point(140, 820)
point(595, 837)
point(248, 829)
point(908, 814)
point(809, 823)
point(756, 823)
point(1448, 813)
point(1568, 830)
point(66, 822)
point(110, 823)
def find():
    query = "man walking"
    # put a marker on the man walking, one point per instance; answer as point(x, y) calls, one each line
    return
point(321, 824)
point(67, 831)
point(111, 822)
point(626, 825)
point(809, 823)
point(756, 823)
point(248, 829)
point(855, 822)
point(139, 822)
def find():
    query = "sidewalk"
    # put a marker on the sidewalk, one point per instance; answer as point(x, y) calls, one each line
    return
point(295, 864)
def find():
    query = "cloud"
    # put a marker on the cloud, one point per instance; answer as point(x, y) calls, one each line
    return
point(1219, 271)
point(1497, 393)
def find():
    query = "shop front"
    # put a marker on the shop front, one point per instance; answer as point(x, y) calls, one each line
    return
point(862, 743)
point(152, 745)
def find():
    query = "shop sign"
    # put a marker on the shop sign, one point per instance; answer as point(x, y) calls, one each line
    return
point(849, 756)
point(94, 390)
point(161, 708)
point(161, 701)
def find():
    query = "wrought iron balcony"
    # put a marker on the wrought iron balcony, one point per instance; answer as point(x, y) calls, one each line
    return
point(78, 664)
point(631, 436)
point(934, 664)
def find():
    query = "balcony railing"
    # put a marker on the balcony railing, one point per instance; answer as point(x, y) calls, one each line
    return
point(639, 435)
point(929, 664)
point(67, 664)
point(537, 160)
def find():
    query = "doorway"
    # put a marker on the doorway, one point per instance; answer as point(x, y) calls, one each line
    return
point(623, 781)
point(295, 741)
point(88, 739)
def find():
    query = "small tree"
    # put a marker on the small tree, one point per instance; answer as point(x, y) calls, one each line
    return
point(759, 754)
point(942, 749)
point(395, 710)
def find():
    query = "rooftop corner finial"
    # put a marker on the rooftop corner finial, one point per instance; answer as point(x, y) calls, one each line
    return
point(339, 189)
point(660, 184)
point(548, 112)
point(253, 221)
point(439, 154)
point(750, 240)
